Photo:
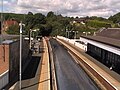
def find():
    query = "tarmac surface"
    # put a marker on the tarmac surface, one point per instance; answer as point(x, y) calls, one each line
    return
point(70, 76)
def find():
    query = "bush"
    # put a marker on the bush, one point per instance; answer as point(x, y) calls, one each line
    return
point(98, 24)
point(13, 29)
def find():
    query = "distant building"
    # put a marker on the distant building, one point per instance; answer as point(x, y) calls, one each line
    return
point(79, 20)
point(105, 47)
point(8, 23)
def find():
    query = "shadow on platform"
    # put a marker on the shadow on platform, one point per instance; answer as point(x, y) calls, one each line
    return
point(31, 69)
point(35, 84)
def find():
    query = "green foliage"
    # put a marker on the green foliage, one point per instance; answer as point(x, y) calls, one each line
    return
point(46, 30)
point(39, 18)
point(97, 18)
point(98, 24)
point(13, 29)
point(115, 18)
point(50, 14)
point(30, 13)
point(57, 24)
point(17, 17)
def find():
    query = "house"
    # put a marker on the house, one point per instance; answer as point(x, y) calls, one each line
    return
point(79, 20)
point(8, 23)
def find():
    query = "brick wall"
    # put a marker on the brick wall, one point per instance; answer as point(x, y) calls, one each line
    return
point(9, 57)
point(4, 58)
point(15, 56)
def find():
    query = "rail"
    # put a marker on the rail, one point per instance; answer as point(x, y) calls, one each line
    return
point(53, 72)
point(102, 82)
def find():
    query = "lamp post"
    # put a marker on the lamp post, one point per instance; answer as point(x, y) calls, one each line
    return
point(66, 32)
point(1, 20)
point(75, 34)
point(30, 38)
point(20, 62)
point(31, 33)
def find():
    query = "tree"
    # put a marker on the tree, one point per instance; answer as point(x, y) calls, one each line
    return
point(39, 18)
point(13, 29)
point(7, 16)
point(115, 18)
point(30, 13)
point(50, 14)
point(46, 30)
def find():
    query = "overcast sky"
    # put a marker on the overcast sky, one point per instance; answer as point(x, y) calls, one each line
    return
point(104, 8)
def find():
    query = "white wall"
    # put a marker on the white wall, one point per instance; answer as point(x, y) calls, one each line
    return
point(81, 46)
point(72, 41)
point(4, 79)
point(84, 47)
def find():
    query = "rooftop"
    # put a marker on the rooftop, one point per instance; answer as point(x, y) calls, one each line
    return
point(10, 22)
point(110, 33)
point(8, 38)
point(110, 36)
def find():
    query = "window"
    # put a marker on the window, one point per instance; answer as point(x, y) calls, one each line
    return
point(118, 58)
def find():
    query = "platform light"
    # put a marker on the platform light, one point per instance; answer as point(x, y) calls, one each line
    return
point(30, 34)
point(20, 62)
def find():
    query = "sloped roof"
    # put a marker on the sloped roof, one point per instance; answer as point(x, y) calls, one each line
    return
point(10, 22)
point(113, 33)
point(104, 40)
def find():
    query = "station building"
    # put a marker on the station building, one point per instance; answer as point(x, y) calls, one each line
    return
point(105, 47)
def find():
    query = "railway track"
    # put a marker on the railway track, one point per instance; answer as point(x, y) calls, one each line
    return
point(69, 75)
point(102, 79)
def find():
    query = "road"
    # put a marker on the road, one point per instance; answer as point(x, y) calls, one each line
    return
point(70, 75)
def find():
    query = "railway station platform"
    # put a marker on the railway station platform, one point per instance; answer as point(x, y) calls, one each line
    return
point(41, 80)
point(105, 78)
